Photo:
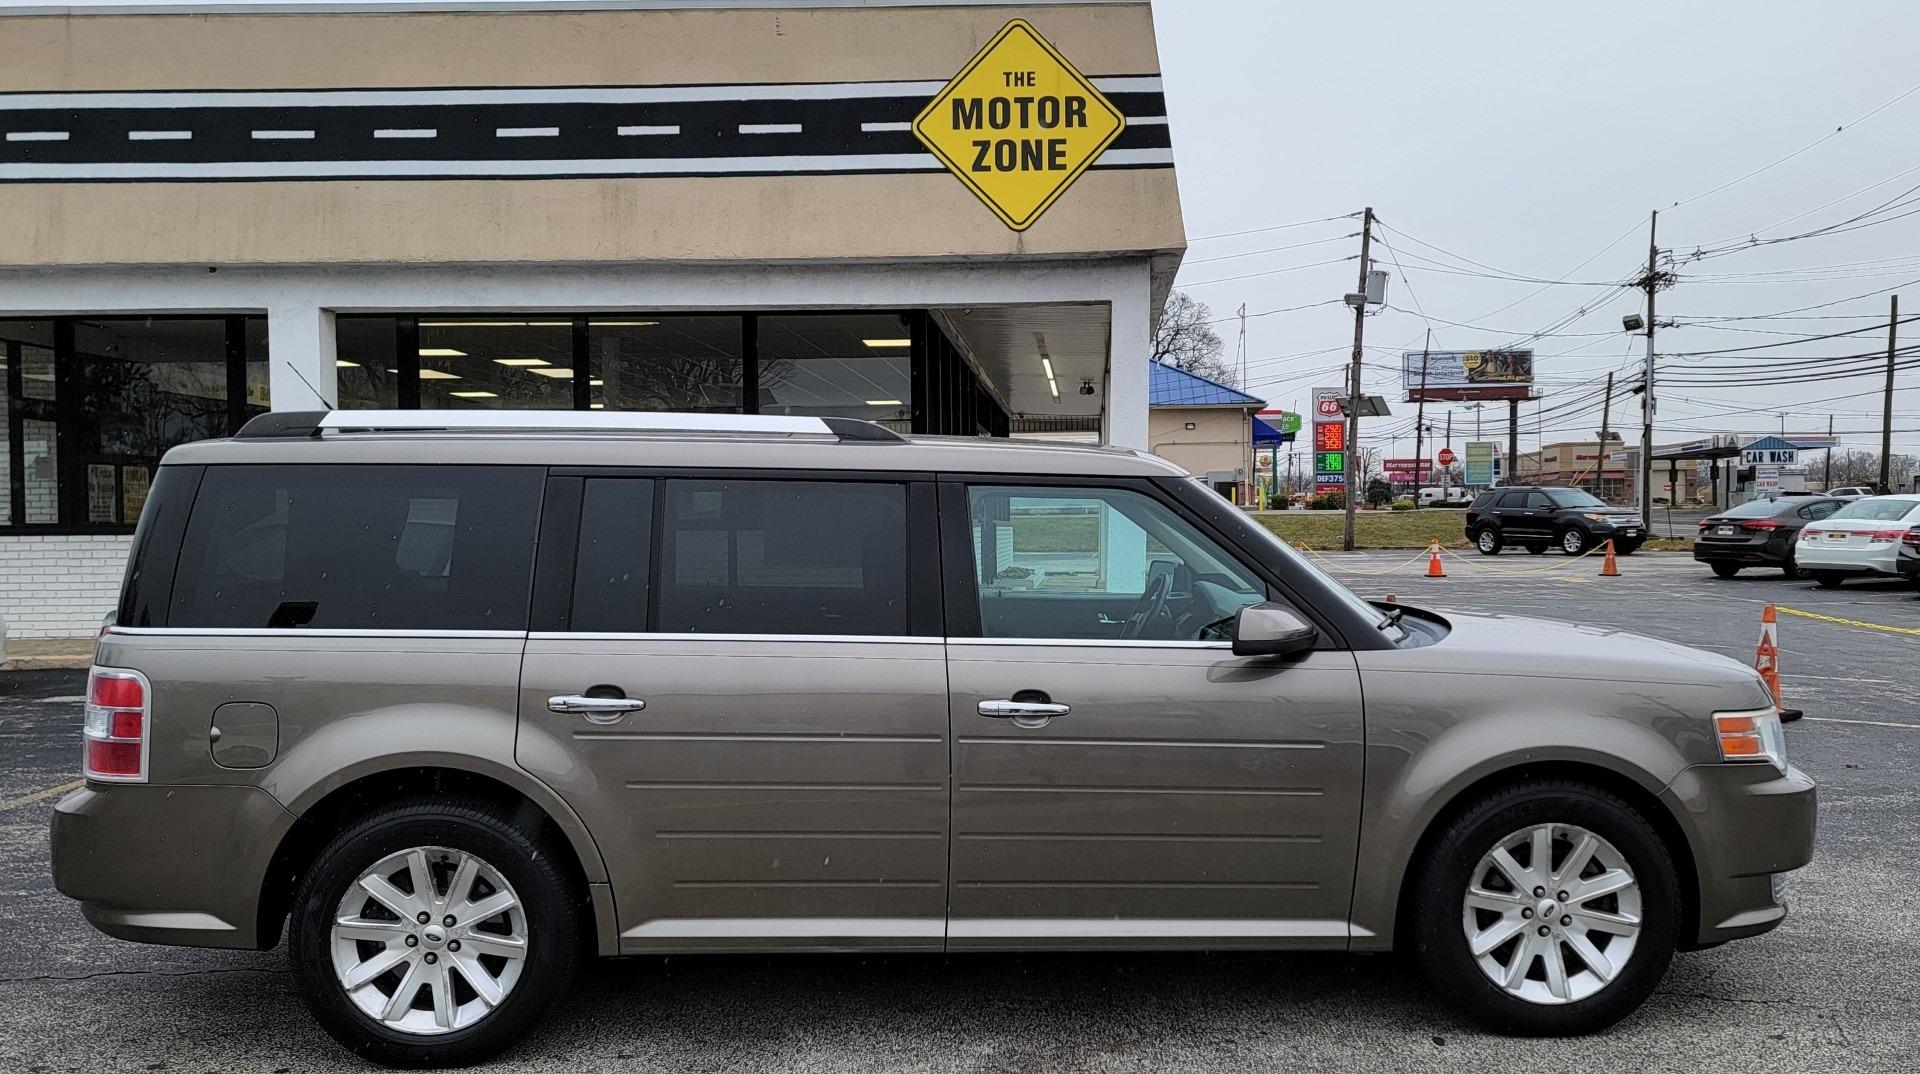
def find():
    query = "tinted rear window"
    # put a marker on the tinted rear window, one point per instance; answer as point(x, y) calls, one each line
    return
point(783, 557)
point(359, 547)
point(1752, 509)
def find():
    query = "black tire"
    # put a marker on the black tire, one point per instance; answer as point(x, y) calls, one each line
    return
point(553, 906)
point(1791, 568)
point(1536, 550)
point(1725, 570)
point(1574, 541)
point(1440, 943)
point(1487, 540)
point(1828, 579)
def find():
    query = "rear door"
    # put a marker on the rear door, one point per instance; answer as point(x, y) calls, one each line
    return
point(1120, 778)
point(740, 685)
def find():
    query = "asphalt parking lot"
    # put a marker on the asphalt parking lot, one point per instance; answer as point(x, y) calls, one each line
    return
point(1837, 987)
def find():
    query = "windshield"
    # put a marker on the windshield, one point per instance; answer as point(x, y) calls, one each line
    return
point(1576, 498)
point(1878, 509)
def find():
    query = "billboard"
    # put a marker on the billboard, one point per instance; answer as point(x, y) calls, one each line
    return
point(1450, 375)
point(1329, 440)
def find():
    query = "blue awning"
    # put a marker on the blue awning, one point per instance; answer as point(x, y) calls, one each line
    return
point(1267, 435)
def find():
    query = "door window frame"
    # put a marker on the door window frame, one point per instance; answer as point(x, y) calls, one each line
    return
point(559, 543)
point(960, 581)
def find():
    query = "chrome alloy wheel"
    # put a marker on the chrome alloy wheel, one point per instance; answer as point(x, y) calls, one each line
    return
point(1552, 913)
point(1573, 542)
point(1487, 541)
point(429, 940)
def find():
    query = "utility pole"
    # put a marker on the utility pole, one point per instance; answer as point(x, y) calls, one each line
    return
point(1828, 481)
point(1646, 396)
point(1600, 464)
point(1513, 440)
point(1886, 407)
point(1420, 420)
point(1355, 480)
point(1445, 477)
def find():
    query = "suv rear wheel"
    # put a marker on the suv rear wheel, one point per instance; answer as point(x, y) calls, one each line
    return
point(433, 933)
point(1547, 908)
point(1487, 541)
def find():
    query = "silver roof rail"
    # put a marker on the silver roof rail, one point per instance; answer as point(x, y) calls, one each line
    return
point(283, 424)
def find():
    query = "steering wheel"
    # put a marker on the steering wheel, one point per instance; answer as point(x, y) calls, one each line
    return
point(1151, 605)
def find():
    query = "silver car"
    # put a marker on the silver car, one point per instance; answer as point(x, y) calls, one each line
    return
point(456, 699)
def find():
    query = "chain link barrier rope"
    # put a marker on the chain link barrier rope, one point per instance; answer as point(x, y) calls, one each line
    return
point(1859, 624)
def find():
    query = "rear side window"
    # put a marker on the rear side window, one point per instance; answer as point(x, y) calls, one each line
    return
point(1817, 511)
point(359, 548)
point(783, 557)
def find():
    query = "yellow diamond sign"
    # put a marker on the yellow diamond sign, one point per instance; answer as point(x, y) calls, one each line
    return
point(1018, 124)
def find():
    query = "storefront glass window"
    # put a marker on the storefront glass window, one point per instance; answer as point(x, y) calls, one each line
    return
point(366, 362)
point(850, 365)
point(145, 385)
point(665, 362)
point(496, 364)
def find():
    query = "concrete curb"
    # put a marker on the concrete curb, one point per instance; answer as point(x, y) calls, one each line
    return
point(46, 654)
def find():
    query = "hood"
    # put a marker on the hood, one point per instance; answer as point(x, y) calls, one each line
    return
point(1546, 648)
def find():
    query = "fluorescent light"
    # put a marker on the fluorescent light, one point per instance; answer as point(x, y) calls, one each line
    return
point(557, 374)
point(1053, 385)
point(438, 374)
point(596, 406)
point(884, 402)
point(495, 324)
point(520, 361)
point(441, 352)
point(474, 395)
point(888, 342)
point(342, 363)
point(596, 383)
point(623, 324)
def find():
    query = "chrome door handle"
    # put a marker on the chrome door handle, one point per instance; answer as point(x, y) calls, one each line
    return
point(595, 709)
point(1014, 710)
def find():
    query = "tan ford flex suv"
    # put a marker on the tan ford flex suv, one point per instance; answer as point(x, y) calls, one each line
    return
point(461, 699)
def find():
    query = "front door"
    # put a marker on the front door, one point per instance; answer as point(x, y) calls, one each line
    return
point(1121, 778)
point(742, 690)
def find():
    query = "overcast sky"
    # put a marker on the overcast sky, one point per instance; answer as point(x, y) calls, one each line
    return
point(1527, 137)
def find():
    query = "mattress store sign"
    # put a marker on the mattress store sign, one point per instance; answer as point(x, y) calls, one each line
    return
point(1019, 124)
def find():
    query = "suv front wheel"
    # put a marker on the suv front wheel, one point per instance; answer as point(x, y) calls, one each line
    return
point(1573, 540)
point(433, 933)
point(1547, 908)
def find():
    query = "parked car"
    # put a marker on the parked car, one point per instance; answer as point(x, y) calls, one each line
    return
point(1537, 519)
point(1851, 492)
point(1874, 535)
point(459, 698)
point(1453, 496)
point(1759, 533)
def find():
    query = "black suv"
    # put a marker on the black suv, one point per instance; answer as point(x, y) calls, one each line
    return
point(1540, 518)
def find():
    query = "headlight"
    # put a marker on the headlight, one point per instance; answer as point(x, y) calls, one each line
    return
point(1754, 735)
point(1592, 517)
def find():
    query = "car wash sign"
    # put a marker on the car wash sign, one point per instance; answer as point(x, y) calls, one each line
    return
point(1019, 124)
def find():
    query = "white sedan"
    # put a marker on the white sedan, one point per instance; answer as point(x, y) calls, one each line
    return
point(1875, 535)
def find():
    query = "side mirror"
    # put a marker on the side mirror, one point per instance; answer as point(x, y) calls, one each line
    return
point(1271, 630)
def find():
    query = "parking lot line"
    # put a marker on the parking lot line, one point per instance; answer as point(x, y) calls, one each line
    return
point(1866, 723)
point(36, 796)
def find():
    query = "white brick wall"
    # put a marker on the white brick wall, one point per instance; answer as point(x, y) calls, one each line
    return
point(58, 587)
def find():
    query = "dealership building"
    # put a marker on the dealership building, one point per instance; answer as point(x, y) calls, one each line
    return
point(829, 207)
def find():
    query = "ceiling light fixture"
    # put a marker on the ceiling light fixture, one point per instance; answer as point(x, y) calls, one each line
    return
point(876, 343)
point(474, 395)
point(441, 352)
point(623, 324)
point(438, 374)
point(521, 361)
point(495, 324)
point(342, 363)
point(557, 374)
point(885, 402)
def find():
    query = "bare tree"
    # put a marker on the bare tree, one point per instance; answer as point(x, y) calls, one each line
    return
point(1184, 340)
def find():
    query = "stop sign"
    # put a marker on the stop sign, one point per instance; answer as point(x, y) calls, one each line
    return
point(1445, 456)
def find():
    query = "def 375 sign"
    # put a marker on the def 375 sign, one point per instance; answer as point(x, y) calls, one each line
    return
point(1019, 124)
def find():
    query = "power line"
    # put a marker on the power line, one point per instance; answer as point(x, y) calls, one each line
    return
point(1782, 160)
point(1272, 272)
point(1275, 227)
point(1269, 250)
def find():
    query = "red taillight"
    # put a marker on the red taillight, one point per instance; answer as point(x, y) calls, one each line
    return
point(1886, 536)
point(1706, 524)
point(1763, 524)
point(1809, 535)
point(1912, 537)
point(116, 726)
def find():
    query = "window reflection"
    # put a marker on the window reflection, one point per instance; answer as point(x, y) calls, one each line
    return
point(666, 362)
point(366, 363)
point(145, 385)
point(836, 365)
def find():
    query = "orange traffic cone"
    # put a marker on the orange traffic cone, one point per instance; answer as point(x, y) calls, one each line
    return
point(1609, 568)
point(1434, 569)
point(1766, 660)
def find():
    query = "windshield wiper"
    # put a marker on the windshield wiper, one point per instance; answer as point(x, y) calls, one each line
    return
point(1392, 613)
